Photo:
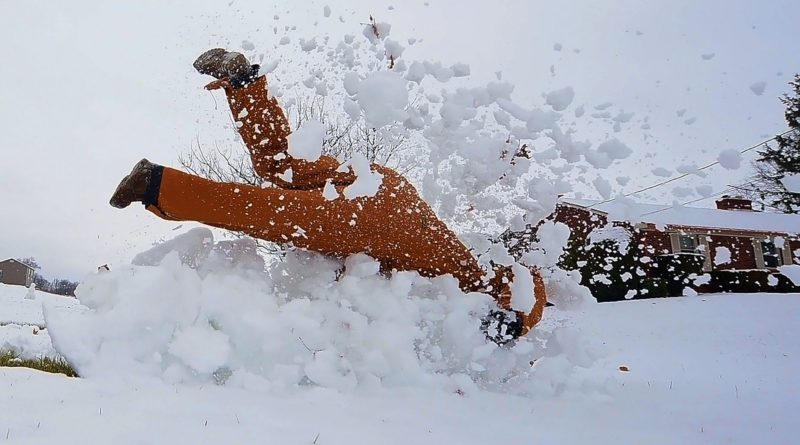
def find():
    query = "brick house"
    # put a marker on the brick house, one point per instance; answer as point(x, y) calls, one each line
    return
point(725, 242)
point(755, 240)
point(16, 272)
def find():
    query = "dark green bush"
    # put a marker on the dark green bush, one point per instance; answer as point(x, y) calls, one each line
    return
point(743, 281)
point(676, 269)
point(655, 288)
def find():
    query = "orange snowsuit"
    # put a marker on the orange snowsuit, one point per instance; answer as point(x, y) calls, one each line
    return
point(395, 226)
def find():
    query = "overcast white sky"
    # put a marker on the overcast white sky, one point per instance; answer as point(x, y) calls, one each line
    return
point(89, 88)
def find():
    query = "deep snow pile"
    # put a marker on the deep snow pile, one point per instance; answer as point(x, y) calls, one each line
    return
point(196, 311)
point(701, 370)
point(22, 327)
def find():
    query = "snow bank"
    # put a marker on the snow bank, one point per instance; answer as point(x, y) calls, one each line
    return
point(26, 341)
point(22, 323)
point(310, 321)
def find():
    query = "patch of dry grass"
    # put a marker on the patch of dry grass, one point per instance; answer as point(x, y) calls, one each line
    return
point(47, 364)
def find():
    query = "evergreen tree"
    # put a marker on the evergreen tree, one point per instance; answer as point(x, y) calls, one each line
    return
point(783, 158)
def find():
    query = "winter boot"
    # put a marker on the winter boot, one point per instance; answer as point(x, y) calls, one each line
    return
point(502, 326)
point(141, 185)
point(223, 64)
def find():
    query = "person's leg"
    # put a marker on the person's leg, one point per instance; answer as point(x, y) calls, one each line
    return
point(264, 128)
point(500, 287)
point(301, 218)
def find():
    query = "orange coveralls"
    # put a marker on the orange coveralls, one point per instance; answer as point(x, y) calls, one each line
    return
point(395, 226)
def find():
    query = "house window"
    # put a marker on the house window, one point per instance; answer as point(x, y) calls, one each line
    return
point(773, 257)
point(688, 243)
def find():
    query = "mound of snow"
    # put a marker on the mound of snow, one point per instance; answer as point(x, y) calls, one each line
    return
point(214, 316)
point(22, 327)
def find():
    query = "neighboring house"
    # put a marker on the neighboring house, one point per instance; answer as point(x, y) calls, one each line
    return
point(733, 245)
point(16, 272)
point(732, 236)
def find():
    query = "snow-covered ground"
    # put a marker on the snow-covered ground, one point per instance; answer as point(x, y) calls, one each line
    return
point(22, 321)
point(701, 370)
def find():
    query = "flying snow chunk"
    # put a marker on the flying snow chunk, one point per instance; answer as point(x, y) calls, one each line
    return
point(352, 109)
point(730, 159)
point(306, 141)
point(791, 183)
point(393, 49)
point(704, 190)
point(351, 81)
point(682, 192)
point(608, 152)
point(791, 272)
point(560, 99)
point(722, 255)
point(661, 172)
point(268, 67)
point(383, 97)
point(248, 45)
point(327, 11)
point(329, 192)
point(691, 169)
point(191, 247)
point(758, 88)
point(416, 72)
point(308, 45)
point(557, 47)
point(376, 31)
point(602, 186)
point(460, 70)
point(707, 56)
point(522, 288)
point(367, 181)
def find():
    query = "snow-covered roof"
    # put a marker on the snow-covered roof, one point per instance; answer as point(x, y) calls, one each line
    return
point(664, 215)
point(12, 260)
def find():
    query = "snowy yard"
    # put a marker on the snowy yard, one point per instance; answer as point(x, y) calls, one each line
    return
point(495, 117)
point(702, 370)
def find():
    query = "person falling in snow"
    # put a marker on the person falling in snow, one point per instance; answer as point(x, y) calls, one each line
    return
point(394, 226)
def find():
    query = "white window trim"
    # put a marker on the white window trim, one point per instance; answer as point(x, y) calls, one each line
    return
point(787, 252)
point(706, 252)
point(675, 241)
point(758, 252)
